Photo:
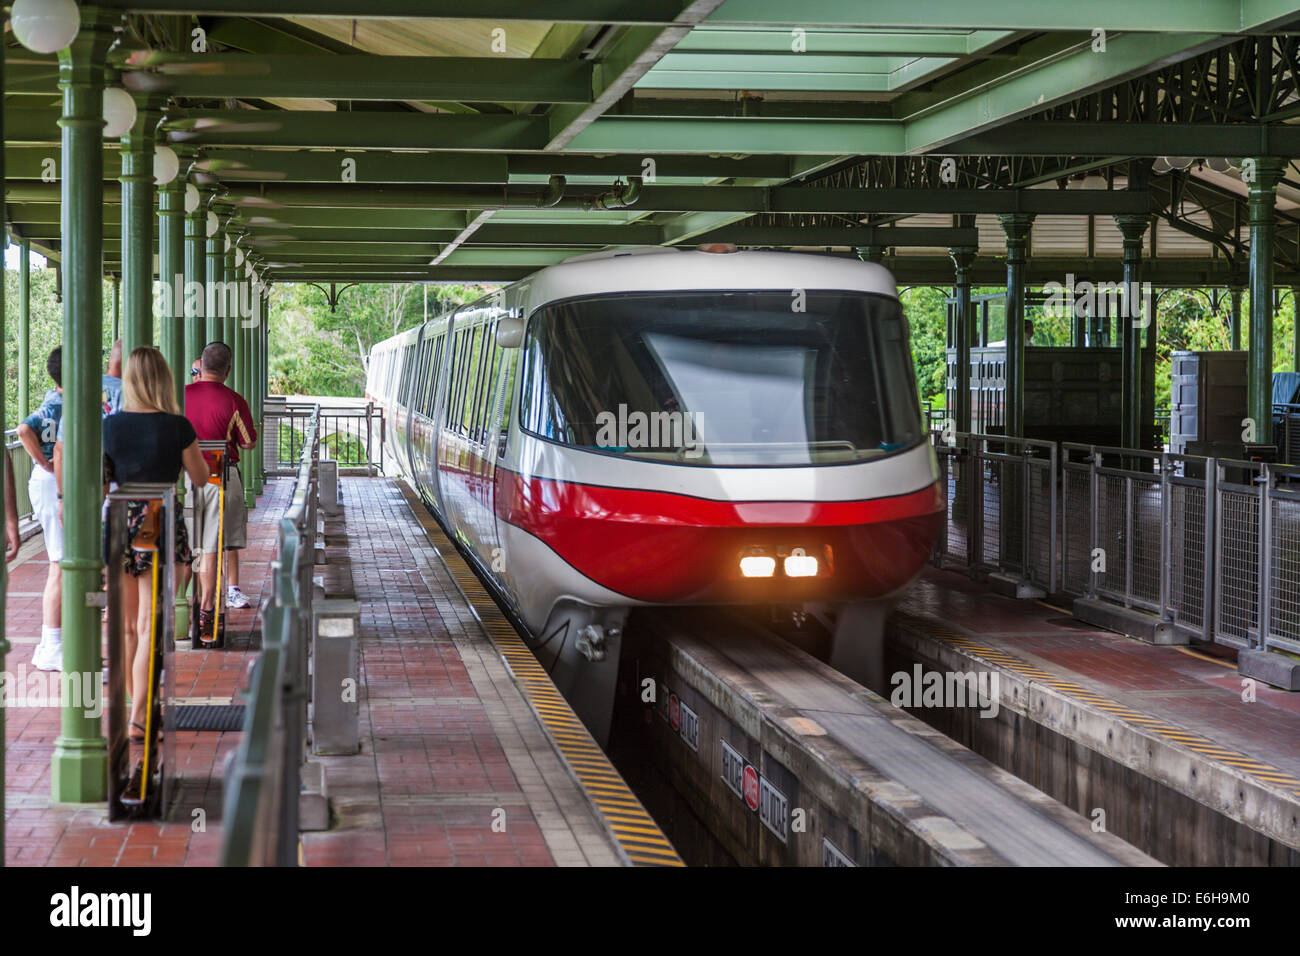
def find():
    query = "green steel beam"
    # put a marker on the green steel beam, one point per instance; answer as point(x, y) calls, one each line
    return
point(710, 39)
point(1049, 138)
point(138, 230)
point(622, 64)
point(792, 72)
point(309, 216)
point(362, 129)
point(786, 136)
point(1168, 16)
point(852, 236)
point(367, 77)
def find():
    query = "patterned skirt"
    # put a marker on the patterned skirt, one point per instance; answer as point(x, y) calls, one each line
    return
point(136, 563)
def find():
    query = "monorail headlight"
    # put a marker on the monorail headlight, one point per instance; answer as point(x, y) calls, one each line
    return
point(756, 564)
point(797, 564)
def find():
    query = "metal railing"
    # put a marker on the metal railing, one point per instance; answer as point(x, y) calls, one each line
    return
point(1002, 506)
point(263, 776)
point(22, 463)
point(1209, 546)
point(352, 435)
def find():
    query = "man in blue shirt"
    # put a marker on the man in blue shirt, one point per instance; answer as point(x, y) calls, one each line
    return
point(38, 432)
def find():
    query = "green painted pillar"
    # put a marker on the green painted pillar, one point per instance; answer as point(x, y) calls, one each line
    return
point(195, 274)
point(24, 323)
point(79, 767)
point(4, 583)
point(1131, 321)
point(963, 325)
point(117, 307)
point(1234, 317)
point(171, 270)
point(230, 314)
point(1259, 367)
point(247, 334)
point(138, 227)
point(214, 301)
point(1295, 328)
point(1017, 228)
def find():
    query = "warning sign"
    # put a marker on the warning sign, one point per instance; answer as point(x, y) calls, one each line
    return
point(751, 786)
point(774, 809)
point(690, 727)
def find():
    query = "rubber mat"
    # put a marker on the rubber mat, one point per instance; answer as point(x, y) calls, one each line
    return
point(210, 717)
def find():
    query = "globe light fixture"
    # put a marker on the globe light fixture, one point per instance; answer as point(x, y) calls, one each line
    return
point(166, 164)
point(119, 112)
point(212, 224)
point(45, 26)
point(191, 197)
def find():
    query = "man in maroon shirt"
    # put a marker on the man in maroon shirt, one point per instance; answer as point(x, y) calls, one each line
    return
point(219, 413)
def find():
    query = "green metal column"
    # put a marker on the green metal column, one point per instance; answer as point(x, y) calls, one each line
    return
point(137, 227)
point(963, 325)
point(1259, 369)
point(1234, 317)
point(24, 321)
point(1133, 228)
point(195, 273)
point(117, 308)
point(4, 583)
point(1295, 328)
point(79, 767)
point(171, 269)
point(214, 301)
point(230, 315)
point(1017, 227)
point(247, 331)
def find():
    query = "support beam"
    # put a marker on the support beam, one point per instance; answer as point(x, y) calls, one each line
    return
point(138, 227)
point(171, 271)
point(1017, 228)
point(962, 335)
point(1235, 292)
point(215, 271)
point(1131, 321)
point(1259, 372)
point(195, 278)
point(24, 325)
point(79, 767)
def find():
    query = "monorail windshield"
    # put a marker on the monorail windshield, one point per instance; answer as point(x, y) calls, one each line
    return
point(737, 378)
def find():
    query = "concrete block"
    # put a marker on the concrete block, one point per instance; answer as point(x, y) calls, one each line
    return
point(1010, 585)
point(327, 486)
point(1273, 668)
point(336, 631)
point(313, 800)
point(1129, 621)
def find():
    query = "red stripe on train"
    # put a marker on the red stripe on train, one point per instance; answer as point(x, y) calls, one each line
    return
point(661, 547)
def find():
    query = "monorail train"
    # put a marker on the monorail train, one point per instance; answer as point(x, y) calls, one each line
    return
point(662, 427)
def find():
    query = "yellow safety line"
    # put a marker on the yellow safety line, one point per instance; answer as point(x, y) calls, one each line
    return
point(221, 555)
point(641, 839)
point(1189, 739)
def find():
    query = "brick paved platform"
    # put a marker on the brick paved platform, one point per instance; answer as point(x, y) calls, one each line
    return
point(450, 745)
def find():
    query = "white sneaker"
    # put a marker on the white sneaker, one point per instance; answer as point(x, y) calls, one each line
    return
point(48, 656)
point(236, 598)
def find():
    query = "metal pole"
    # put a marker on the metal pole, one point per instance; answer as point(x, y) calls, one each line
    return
point(171, 269)
point(1295, 328)
point(117, 307)
point(1133, 229)
point(962, 260)
point(215, 270)
point(137, 227)
point(1016, 227)
point(1265, 576)
point(79, 767)
point(195, 281)
point(230, 314)
point(1234, 308)
point(1211, 548)
point(1259, 379)
point(24, 322)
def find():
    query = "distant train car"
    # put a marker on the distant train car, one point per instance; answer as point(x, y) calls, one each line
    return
point(665, 427)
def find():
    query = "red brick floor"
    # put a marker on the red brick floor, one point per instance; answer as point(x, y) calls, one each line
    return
point(449, 745)
point(1196, 687)
point(41, 833)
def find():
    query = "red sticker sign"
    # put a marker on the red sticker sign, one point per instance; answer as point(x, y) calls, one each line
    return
point(751, 787)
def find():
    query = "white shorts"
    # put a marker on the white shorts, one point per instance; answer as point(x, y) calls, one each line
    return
point(43, 489)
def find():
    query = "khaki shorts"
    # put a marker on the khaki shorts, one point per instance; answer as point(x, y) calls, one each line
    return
point(207, 510)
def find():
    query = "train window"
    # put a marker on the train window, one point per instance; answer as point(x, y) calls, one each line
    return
point(510, 358)
point(422, 387)
point(457, 379)
point(435, 374)
point(404, 395)
point(723, 378)
point(475, 383)
point(491, 362)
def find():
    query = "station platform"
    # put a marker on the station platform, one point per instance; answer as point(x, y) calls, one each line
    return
point(1189, 761)
point(468, 756)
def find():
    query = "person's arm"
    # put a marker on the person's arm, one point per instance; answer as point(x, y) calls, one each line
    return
point(195, 465)
point(32, 445)
point(247, 430)
point(58, 466)
point(12, 541)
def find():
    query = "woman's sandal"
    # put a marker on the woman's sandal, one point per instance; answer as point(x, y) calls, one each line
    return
point(133, 738)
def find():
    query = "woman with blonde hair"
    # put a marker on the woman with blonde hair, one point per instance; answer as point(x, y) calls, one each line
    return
point(149, 440)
